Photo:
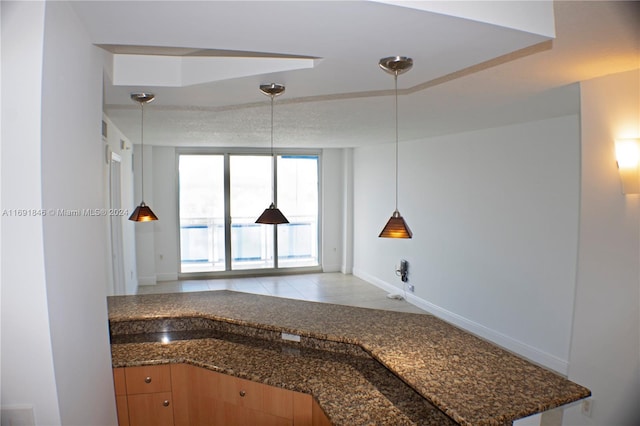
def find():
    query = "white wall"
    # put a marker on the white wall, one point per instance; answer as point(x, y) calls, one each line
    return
point(145, 231)
point(347, 216)
point(495, 219)
point(27, 368)
point(165, 185)
point(157, 244)
point(605, 345)
point(332, 209)
point(55, 345)
point(75, 247)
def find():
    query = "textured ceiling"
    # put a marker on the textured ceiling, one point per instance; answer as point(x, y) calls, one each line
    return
point(467, 74)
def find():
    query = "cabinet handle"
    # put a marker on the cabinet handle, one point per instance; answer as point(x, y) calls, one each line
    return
point(242, 393)
point(147, 379)
point(165, 403)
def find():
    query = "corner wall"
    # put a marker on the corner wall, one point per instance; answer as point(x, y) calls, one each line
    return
point(27, 369)
point(332, 208)
point(75, 247)
point(605, 344)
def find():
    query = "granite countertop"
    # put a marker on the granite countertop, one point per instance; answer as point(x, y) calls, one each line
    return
point(472, 381)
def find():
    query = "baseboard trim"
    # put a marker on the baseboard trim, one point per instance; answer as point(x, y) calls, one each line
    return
point(167, 277)
point(331, 268)
point(147, 280)
point(533, 354)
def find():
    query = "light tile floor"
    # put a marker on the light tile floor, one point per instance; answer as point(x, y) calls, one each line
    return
point(331, 287)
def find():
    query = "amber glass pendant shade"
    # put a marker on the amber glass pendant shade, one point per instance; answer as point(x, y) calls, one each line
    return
point(396, 227)
point(272, 216)
point(143, 213)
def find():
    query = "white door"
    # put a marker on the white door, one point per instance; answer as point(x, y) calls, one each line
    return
point(115, 201)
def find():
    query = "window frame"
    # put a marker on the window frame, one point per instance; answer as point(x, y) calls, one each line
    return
point(227, 153)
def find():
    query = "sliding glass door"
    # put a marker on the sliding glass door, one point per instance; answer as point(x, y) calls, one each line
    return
point(298, 200)
point(239, 187)
point(251, 243)
point(202, 207)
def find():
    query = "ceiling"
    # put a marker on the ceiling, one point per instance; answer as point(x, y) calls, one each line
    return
point(476, 65)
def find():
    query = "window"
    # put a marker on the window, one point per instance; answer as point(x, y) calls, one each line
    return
point(213, 187)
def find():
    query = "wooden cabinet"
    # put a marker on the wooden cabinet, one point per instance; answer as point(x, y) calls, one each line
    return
point(121, 396)
point(318, 417)
point(184, 395)
point(143, 395)
point(207, 397)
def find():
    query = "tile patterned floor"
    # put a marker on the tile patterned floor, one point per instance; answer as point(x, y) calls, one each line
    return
point(331, 287)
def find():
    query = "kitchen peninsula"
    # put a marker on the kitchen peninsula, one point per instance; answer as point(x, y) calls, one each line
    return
point(362, 366)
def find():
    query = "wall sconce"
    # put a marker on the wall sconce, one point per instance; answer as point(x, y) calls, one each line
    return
point(628, 159)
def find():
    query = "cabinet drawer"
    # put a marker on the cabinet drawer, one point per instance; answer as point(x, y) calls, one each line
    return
point(256, 396)
point(148, 379)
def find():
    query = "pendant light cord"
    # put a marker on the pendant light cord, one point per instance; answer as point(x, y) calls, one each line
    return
point(273, 158)
point(395, 79)
point(272, 96)
point(142, 150)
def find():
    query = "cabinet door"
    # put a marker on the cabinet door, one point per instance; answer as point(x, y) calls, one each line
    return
point(319, 417)
point(121, 396)
point(123, 410)
point(119, 382)
point(150, 409)
point(236, 415)
point(302, 409)
point(205, 397)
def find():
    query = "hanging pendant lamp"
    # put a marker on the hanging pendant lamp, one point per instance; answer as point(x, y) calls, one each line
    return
point(142, 213)
point(272, 215)
point(396, 227)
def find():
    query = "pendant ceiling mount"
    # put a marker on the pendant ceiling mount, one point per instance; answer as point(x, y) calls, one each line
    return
point(272, 89)
point(396, 64)
point(143, 98)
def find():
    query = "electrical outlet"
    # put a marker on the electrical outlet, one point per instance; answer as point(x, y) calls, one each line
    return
point(587, 407)
point(19, 415)
point(290, 337)
point(411, 288)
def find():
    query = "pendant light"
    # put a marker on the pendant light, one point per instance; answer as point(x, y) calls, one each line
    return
point(272, 215)
point(142, 213)
point(396, 227)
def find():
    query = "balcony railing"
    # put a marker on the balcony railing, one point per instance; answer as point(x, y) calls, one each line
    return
point(202, 244)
